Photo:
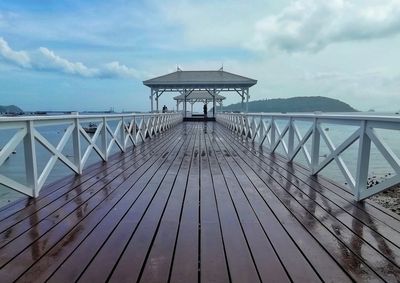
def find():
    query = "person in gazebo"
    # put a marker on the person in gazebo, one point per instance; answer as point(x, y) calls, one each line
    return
point(205, 110)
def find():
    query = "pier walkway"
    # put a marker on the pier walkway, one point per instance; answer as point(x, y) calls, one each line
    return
point(197, 203)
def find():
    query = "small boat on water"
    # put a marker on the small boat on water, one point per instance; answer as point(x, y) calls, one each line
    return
point(91, 128)
point(13, 152)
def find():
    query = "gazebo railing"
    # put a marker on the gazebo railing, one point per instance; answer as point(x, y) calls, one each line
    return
point(108, 132)
point(282, 131)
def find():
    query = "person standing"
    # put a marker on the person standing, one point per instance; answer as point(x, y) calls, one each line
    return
point(205, 110)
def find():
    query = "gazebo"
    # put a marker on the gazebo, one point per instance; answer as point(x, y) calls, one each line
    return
point(198, 96)
point(213, 82)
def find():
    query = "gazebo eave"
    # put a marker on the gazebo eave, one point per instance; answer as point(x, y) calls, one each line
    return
point(199, 87)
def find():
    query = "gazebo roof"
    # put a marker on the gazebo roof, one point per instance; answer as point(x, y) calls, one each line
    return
point(187, 82)
point(199, 95)
point(200, 79)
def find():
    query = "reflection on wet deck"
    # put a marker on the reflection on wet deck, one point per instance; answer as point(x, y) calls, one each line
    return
point(197, 204)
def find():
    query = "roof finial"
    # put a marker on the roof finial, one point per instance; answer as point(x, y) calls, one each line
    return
point(222, 67)
point(178, 69)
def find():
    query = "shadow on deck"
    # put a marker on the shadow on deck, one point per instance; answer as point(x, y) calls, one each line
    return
point(197, 204)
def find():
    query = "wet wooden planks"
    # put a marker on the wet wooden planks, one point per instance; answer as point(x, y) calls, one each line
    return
point(197, 203)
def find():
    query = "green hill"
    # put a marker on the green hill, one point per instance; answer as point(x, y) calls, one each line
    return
point(294, 104)
point(10, 109)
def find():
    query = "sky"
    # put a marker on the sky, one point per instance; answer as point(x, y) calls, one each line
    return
point(93, 55)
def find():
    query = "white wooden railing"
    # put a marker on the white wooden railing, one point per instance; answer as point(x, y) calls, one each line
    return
point(127, 130)
point(282, 130)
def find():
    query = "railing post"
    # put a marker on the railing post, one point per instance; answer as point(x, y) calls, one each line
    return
point(273, 133)
point(30, 159)
point(253, 134)
point(252, 126)
point(134, 131)
point(261, 137)
point(243, 129)
point(364, 149)
point(315, 145)
point(122, 134)
point(149, 126)
point(155, 125)
point(247, 126)
point(291, 138)
point(238, 123)
point(76, 143)
point(145, 129)
point(162, 125)
point(104, 139)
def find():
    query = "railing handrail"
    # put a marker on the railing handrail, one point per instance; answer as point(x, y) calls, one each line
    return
point(25, 118)
point(324, 115)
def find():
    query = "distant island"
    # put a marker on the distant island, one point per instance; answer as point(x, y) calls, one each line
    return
point(294, 104)
point(10, 109)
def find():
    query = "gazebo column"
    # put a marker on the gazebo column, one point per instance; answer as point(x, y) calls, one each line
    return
point(151, 99)
point(184, 103)
point(177, 106)
point(247, 100)
point(156, 92)
point(242, 103)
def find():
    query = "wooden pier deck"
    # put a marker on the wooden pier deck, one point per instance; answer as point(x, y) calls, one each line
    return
point(197, 204)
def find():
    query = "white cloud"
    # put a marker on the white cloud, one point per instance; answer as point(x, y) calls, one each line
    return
point(311, 25)
point(212, 23)
point(47, 60)
point(116, 69)
point(50, 61)
point(19, 58)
